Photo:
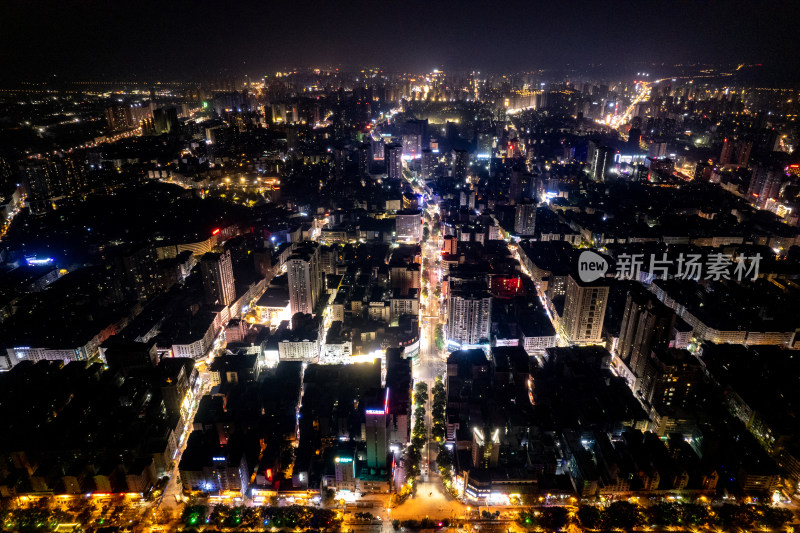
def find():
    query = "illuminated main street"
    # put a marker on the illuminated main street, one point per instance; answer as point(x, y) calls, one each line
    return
point(169, 503)
point(430, 499)
point(619, 121)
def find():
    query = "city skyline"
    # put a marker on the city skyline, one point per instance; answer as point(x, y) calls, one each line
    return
point(336, 267)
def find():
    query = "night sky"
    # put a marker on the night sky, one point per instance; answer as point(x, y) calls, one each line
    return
point(179, 39)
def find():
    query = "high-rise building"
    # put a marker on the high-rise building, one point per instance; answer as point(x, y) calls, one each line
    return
point(404, 277)
point(363, 159)
point(485, 447)
point(394, 161)
point(166, 120)
point(344, 470)
point(525, 217)
point(485, 144)
point(207, 466)
point(634, 136)
point(294, 135)
point(602, 163)
point(584, 310)
point(428, 164)
point(743, 149)
point(591, 149)
point(460, 161)
point(137, 269)
point(765, 183)
point(119, 117)
point(217, 270)
point(415, 136)
point(328, 258)
point(39, 180)
point(646, 324)
point(408, 225)
point(376, 418)
point(305, 281)
point(735, 152)
point(657, 150)
point(449, 245)
point(671, 378)
point(466, 198)
point(702, 171)
point(412, 145)
point(516, 185)
point(398, 384)
point(469, 317)
point(726, 156)
point(124, 353)
point(378, 149)
point(50, 177)
point(338, 160)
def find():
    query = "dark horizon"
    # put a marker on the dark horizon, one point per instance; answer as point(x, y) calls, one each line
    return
point(44, 40)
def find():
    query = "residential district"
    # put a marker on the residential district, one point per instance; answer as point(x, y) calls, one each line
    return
point(361, 301)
